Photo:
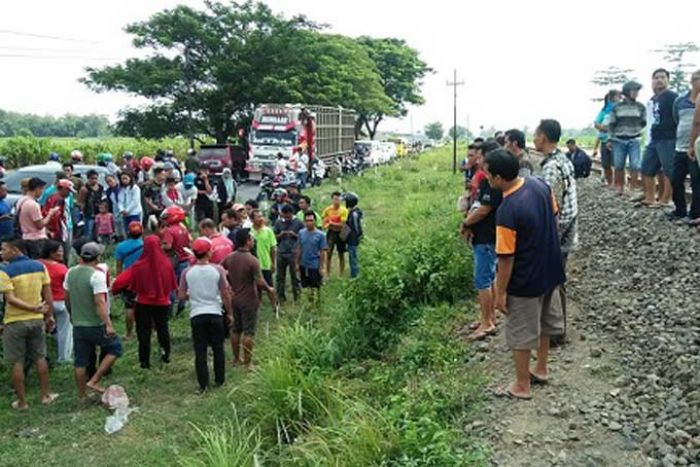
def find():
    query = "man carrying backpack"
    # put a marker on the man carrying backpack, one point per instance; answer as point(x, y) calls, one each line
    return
point(580, 160)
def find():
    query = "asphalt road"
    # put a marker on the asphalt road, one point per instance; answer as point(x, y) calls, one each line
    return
point(247, 191)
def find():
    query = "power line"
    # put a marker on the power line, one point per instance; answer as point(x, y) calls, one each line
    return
point(44, 36)
point(57, 57)
point(42, 49)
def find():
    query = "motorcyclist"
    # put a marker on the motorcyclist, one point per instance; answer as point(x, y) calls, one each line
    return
point(280, 199)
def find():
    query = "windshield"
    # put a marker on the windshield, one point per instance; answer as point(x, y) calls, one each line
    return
point(274, 138)
point(14, 179)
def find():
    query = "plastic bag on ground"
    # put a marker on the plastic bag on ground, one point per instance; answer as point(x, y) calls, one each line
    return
point(115, 398)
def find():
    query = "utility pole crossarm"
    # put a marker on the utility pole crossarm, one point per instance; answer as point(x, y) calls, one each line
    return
point(454, 83)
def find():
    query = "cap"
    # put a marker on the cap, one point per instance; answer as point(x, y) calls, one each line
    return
point(201, 245)
point(91, 251)
point(188, 180)
point(168, 166)
point(135, 228)
point(238, 207)
point(35, 182)
point(66, 184)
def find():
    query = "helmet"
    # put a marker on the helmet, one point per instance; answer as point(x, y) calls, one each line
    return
point(351, 199)
point(54, 157)
point(108, 157)
point(76, 156)
point(128, 155)
point(173, 215)
point(630, 86)
point(146, 163)
point(279, 192)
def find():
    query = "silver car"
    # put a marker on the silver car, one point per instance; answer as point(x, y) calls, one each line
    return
point(47, 173)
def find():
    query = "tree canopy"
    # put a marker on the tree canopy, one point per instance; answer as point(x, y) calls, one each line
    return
point(69, 125)
point(209, 68)
point(434, 130)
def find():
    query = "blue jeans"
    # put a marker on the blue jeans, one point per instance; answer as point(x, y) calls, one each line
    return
point(485, 260)
point(354, 262)
point(659, 155)
point(622, 148)
point(303, 177)
point(89, 231)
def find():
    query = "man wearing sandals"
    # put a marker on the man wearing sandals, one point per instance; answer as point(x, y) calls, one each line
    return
point(28, 314)
point(530, 269)
point(86, 300)
point(480, 227)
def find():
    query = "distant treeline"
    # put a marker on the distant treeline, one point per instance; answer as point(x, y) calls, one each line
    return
point(69, 125)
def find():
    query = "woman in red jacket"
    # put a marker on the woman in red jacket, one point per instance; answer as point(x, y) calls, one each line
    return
point(152, 279)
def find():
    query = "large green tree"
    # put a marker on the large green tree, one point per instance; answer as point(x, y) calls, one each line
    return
point(434, 130)
point(209, 69)
point(611, 77)
point(402, 71)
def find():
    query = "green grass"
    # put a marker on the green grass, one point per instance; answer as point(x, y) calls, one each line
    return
point(374, 376)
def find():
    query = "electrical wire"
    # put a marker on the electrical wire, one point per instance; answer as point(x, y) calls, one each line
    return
point(44, 36)
point(57, 57)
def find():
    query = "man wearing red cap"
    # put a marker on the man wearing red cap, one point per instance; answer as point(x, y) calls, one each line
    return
point(206, 318)
point(60, 226)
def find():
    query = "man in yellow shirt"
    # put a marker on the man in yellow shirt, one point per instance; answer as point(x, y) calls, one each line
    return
point(334, 218)
point(28, 314)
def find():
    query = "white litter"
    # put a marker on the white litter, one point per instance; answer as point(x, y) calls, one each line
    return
point(115, 398)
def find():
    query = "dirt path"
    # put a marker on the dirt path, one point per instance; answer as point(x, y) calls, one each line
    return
point(566, 422)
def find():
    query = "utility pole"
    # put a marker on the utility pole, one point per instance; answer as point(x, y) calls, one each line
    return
point(454, 85)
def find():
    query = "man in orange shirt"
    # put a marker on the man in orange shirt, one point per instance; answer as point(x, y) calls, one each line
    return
point(334, 218)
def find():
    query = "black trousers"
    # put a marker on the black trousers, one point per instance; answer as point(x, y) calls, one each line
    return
point(204, 211)
point(148, 317)
point(209, 331)
point(682, 167)
point(284, 263)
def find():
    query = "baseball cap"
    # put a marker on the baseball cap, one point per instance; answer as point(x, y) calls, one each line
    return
point(188, 180)
point(135, 228)
point(238, 207)
point(66, 184)
point(91, 251)
point(35, 182)
point(201, 245)
point(168, 166)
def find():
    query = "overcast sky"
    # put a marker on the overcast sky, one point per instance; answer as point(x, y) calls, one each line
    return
point(521, 61)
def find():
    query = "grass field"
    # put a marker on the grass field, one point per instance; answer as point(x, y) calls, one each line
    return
point(373, 376)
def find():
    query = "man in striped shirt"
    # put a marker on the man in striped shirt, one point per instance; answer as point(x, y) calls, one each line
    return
point(627, 120)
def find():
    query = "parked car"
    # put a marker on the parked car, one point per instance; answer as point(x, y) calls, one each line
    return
point(47, 173)
point(388, 152)
point(371, 150)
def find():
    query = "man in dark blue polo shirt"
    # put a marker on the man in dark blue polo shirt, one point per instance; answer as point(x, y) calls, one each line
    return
point(529, 268)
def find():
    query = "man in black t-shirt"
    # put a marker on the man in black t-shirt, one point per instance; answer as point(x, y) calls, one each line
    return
point(659, 153)
point(480, 226)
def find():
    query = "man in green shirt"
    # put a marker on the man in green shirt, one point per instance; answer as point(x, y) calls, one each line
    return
point(265, 246)
point(304, 206)
point(86, 300)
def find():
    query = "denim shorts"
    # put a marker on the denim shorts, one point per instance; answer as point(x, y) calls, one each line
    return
point(485, 260)
point(624, 148)
point(87, 338)
point(658, 155)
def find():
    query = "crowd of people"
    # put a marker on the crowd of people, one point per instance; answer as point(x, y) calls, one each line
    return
point(521, 217)
point(173, 232)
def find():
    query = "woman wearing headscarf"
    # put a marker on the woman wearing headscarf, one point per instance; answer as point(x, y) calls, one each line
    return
point(226, 190)
point(152, 279)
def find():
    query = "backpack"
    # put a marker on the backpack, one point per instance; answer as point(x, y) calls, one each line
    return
point(17, 227)
point(582, 164)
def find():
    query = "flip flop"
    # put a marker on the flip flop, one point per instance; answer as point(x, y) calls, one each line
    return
point(507, 393)
point(51, 398)
point(473, 326)
point(534, 379)
point(15, 405)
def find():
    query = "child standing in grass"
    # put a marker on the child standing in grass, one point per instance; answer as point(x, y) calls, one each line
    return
point(104, 222)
